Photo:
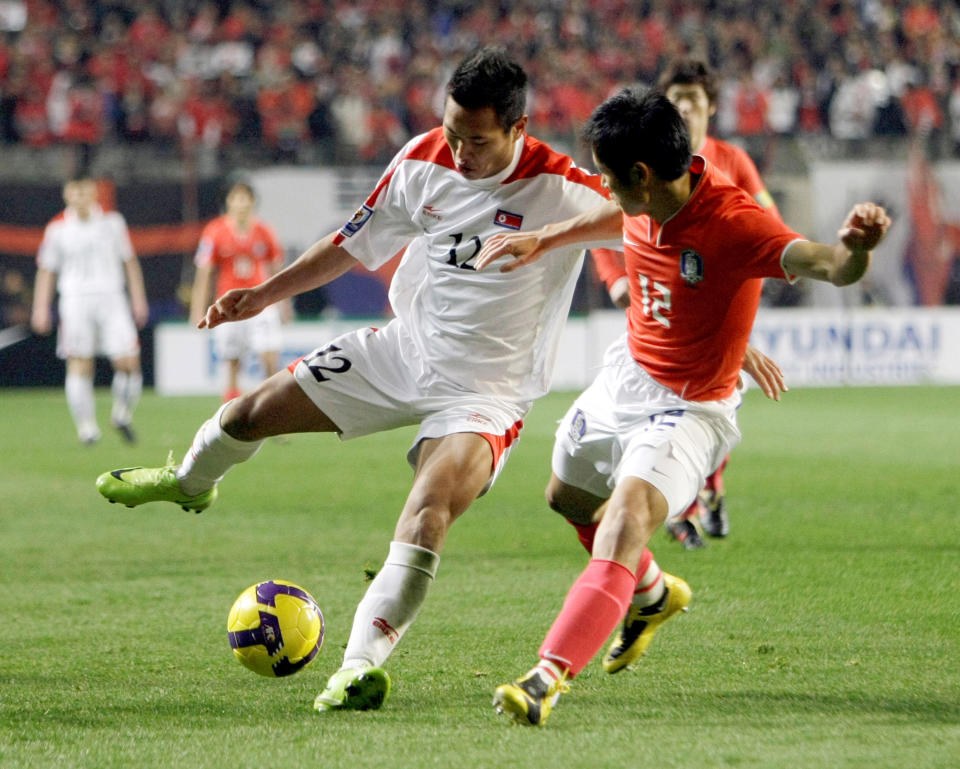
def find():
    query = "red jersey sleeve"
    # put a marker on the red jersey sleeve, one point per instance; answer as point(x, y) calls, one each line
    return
point(608, 265)
point(207, 247)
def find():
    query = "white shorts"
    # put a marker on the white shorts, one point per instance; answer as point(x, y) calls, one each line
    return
point(366, 382)
point(626, 425)
point(259, 334)
point(96, 324)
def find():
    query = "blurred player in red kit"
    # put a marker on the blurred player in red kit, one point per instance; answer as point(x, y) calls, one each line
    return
point(242, 251)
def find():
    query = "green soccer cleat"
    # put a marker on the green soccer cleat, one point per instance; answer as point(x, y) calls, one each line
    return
point(640, 625)
point(137, 485)
point(529, 700)
point(354, 689)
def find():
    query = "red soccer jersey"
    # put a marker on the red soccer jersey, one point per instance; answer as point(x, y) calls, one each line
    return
point(695, 284)
point(734, 163)
point(240, 258)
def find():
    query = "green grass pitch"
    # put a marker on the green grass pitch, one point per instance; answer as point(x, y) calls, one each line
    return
point(824, 632)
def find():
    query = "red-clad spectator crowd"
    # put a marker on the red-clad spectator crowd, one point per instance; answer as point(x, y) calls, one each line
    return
point(359, 77)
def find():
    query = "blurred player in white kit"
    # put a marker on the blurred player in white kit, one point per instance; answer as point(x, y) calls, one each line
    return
point(86, 254)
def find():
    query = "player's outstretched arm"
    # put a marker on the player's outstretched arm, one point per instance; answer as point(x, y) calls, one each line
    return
point(765, 372)
point(315, 267)
point(602, 224)
point(847, 261)
point(138, 293)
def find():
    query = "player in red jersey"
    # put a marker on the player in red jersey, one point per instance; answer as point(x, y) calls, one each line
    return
point(636, 446)
point(242, 251)
point(692, 87)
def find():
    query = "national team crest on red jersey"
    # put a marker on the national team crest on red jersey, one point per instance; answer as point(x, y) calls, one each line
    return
point(508, 220)
point(691, 266)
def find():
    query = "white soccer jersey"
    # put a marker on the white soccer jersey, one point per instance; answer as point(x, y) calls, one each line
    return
point(87, 255)
point(489, 332)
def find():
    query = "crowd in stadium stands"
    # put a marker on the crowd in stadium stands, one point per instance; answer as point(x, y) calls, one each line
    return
point(361, 76)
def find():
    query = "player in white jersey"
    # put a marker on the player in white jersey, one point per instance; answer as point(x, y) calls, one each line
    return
point(87, 253)
point(464, 358)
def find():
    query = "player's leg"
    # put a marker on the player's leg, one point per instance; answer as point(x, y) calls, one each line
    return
point(665, 456)
point(77, 345)
point(270, 361)
point(451, 472)
point(657, 595)
point(80, 398)
point(126, 389)
point(232, 389)
point(685, 527)
point(230, 344)
point(232, 435)
point(587, 448)
point(713, 515)
point(595, 604)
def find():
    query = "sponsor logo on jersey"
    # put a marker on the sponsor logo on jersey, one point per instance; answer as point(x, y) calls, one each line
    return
point(578, 426)
point(359, 219)
point(691, 266)
point(432, 212)
point(506, 219)
point(479, 419)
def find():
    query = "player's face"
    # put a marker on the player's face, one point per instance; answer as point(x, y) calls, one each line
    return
point(239, 202)
point(695, 108)
point(81, 196)
point(632, 199)
point(480, 146)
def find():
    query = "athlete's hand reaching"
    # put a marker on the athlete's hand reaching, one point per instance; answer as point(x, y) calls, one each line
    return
point(765, 372)
point(524, 247)
point(237, 304)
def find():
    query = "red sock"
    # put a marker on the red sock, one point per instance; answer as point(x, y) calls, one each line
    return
point(715, 480)
point(594, 606)
point(585, 533)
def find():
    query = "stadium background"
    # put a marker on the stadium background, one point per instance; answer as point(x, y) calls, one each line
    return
point(166, 102)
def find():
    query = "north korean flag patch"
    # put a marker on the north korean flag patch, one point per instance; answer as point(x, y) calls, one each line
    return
point(508, 220)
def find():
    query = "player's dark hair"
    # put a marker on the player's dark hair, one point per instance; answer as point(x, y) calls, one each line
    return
point(633, 127)
point(490, 78)
point(245, 186)
point(691, 72)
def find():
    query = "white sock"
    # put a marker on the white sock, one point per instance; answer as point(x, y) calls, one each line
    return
point(650, 587)
point(80, 401)
point(390, 605)
point(212, 453)
point(126, 389)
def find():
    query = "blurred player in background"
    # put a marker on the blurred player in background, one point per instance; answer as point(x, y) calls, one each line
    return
point(243, 251)
point(465, 357)
point(637, 444)
point(692, 87)
point(86, 254)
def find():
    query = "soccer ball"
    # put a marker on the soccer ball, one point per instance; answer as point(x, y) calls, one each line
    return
point(275, 628)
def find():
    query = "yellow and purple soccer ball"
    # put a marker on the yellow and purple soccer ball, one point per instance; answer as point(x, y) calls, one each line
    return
point(275, 628)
